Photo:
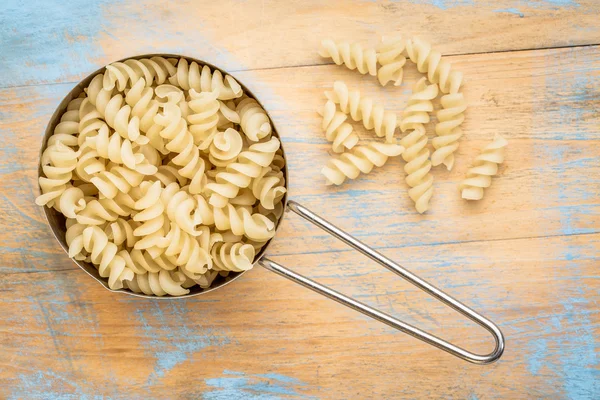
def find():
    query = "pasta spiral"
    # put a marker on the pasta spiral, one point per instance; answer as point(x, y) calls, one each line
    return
point(119, 74)
point(225, 147)
point(419, 105)
point(233, 256)
point(104, 254)
point(351, 54)
point(239, 174)
point(67, 129)
point(269, 187)
point(115, 111)
point(151, 216)
point(180, 141)
point(391, 55)
point(114, 148)
point(185, 251)
point(240, 220)
point(98, 212)
point(337, 130)
point(116, 179)
point(70, 202)
point(203, 117)
point(58, 161)
point(253, 119)
point(417, 167)
point(479, 176)
point(89, 163)
point(372, 115)
point(188, 76)
point(159, 283)
point(143, 105)
point(359, 159)
point(179, 207)
point(448, 130)
point(431, 62)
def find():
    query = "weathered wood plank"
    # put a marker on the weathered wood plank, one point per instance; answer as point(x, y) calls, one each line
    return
point(527, 256)
point(64, 40)
point(64, 334)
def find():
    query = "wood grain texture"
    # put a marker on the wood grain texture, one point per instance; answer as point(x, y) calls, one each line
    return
point(60, 41)
point(527, 255)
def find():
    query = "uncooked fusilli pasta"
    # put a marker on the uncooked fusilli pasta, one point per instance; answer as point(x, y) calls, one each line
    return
point(448, 131)
point(168, 175)
point(353, 55)
point(359, 159)
point(372, 115)
point(479, 176)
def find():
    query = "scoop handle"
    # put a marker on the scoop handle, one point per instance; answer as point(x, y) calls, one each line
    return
point(379, 315)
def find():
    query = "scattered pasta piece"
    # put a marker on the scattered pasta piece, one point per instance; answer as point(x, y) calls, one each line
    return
point(372, 115)
point(391, 54)
point(416, 155)
point(352, 55)
point(430, 61)
point(479, 176)
point(448, 131)
point(337, 130)
point(360, 159)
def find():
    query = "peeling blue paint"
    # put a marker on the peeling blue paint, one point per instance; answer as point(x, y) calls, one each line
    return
point(510, 11)
point(239, 386)
point(172, 339)
point(59, 35)
point(445, 4)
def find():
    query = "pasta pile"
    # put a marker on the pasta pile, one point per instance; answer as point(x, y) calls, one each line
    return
point(391, 55)
point(167, 173)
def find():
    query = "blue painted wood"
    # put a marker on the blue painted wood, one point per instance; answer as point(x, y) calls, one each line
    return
point(528, 255)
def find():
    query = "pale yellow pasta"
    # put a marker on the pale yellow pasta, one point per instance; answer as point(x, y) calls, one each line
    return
point(159, 283)
point(233, 256)
point(430, 61)
point(417, 167)
point(180, 208)
point(168, 176)
point(181, 141)
point(238, 219)
point(151, 217)
point(116, 179)
point(58, 162)
point(448, 131)
point(359, 159)
point(269, 187)
point(129, 72)
point(70, 202)
point(372, 114)
point(419, 105)
point(120, 232)
point(253, 119)
point(225, 147)
point(203, 117)
point(185, 251)
point(391, 55)
point(238, 175)
point(189, 76)
point(67, 130)
point(114, 148)
point(337, 130)
point(485, 165)
point(352, 55)
point(104, 255)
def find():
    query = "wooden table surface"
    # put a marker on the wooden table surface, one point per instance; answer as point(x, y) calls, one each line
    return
point(527, 255)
